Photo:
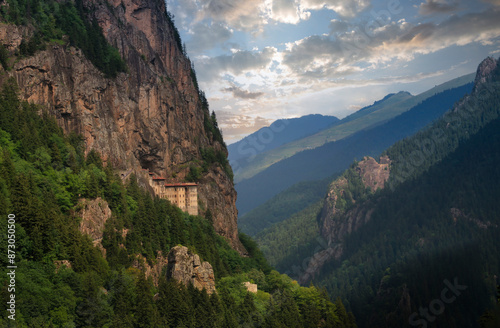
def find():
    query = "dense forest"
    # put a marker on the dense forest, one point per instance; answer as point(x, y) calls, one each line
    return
point(282, 206)
point(334, 157)
point(443, 225)
point(44, 175)
point(436, 223)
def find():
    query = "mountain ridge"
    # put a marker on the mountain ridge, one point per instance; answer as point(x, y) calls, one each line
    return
point(280, 132)
point(336, 156)
point(367, 117)
point(388, 251)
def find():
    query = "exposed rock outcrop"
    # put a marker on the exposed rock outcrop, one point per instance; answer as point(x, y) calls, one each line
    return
point(459, 214)
point(373, 174)
point(151, 117)
point(187, 267)
point(62, 263)
point(94, 214)
point(252, 288)
point(154, 270)
point(484, 71)
point(318, 260)
point(335, 223)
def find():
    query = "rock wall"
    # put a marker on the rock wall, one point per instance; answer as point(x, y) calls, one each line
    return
point(373, 174)
point(155, 270)
point(94, 214)
point(335, 225)
point(148, 118)
point(187, 267)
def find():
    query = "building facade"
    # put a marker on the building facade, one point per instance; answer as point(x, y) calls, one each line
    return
point(183, 195)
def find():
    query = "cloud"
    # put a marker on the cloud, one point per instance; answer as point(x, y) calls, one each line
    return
point(244, 94)
point(431, 7)
point(338, 26)
point(206, 36)
point(493, 2)
point(350, 48)
point(236, 63)
point(252, 16)
point(288, 11)
point(239, 14)
point(456, 31)
point(237, 126)
point(346, 8)
point(305, 54)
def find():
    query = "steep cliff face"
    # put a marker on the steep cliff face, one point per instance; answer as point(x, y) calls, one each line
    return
point(336, 220)
point(346, 209)
point(150, 118)
point(94, 214)
point(484, 71)
point(186, 268)
point(154, 270)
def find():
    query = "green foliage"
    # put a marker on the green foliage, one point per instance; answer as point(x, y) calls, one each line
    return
point(280, 302)
point(210, 122)
point(284, 205)
point(60, 22)
point(194, 173)
point(43, 177)
point(435, 220)
point(287, 243)
point(211, 157)
point(254, 252)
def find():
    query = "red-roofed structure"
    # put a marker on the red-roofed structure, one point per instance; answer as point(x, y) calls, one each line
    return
point(182, 194)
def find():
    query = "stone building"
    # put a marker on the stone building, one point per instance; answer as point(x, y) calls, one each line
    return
point(183, 195)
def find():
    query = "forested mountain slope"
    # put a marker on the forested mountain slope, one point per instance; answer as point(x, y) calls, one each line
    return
point(377, 113)
point(83, 111)
point(336, 156)
point(391, 252)
point(443, 225)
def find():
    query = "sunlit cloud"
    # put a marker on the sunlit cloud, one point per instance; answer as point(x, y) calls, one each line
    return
point(347, 8)
point(252, 77)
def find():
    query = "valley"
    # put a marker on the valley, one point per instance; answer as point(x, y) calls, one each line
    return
point(254, 164)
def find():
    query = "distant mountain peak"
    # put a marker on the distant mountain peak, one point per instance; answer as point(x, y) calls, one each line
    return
point(484, 71)
point(278, 133)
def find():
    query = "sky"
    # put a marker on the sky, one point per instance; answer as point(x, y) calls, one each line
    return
point(262, 60)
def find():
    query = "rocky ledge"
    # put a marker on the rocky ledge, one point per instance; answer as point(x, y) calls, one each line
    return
point(186, 267)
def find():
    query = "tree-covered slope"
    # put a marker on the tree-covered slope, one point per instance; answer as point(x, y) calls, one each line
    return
point(282, 206)
point(336, 156)
point(435, 223)
point(65, 279)
point(441, 226)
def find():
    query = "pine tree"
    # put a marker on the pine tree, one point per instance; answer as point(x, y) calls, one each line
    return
point(122, 300)
point(145, 309)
